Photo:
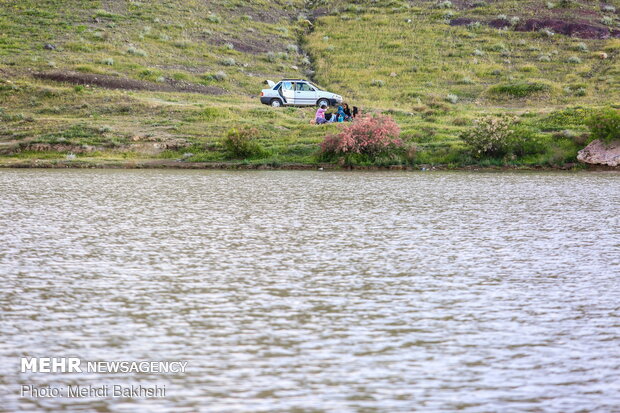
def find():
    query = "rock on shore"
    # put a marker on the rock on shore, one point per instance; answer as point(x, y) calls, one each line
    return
point(599, 153)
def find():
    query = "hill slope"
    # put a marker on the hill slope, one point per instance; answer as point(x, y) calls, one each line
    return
point(163, 79)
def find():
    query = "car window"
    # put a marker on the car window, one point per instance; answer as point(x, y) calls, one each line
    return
point(316, 87)
point(287, 86)
point(277, 87)
point(304, 87)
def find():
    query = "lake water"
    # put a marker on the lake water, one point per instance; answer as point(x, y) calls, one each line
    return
point(315, 291)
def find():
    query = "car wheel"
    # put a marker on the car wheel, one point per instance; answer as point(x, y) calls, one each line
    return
point(276, 103)
point(322, 102)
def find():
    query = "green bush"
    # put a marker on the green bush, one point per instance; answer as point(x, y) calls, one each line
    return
point(214, 18)
point(443, 5)
point(211, 113)
point(568, 118)
point(241, 143)
point(605, 125)
point(136, 52)
point(524, 141)
point(490, 135)
point(229, 61)
point(520, 89)
point(498, 136)
point(607, 20)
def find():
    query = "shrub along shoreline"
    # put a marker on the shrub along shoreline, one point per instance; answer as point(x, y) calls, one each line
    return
point(371, 142)
point(11, 163)
point(120, 82)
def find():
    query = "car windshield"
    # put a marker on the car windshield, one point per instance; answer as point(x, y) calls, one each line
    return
point(314, 84)
point(277, 87)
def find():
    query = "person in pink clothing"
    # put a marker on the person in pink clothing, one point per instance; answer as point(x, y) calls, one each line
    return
point(320, 115)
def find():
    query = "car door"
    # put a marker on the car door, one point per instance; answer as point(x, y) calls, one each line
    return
point(287, 91)
point(304, 94)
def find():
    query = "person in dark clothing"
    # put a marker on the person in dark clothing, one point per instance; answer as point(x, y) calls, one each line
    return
point(355, 111)
point(347, 111)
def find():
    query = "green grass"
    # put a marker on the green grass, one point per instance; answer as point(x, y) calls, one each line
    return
point(394, 57)
point(518, 90)
point(409, 60)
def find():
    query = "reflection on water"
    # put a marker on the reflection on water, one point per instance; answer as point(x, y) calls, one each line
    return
point(341, 292)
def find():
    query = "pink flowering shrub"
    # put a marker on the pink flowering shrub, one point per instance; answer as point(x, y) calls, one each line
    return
point(369, 135)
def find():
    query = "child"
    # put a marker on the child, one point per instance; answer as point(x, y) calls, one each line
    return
point(320, 115)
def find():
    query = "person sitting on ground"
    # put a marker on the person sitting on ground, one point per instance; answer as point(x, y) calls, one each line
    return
point(356, 112)
point(320, 115)
point(330, 117)
point(347, 111)
point(342, 116)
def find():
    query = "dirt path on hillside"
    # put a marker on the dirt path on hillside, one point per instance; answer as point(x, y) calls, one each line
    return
point(113, 82)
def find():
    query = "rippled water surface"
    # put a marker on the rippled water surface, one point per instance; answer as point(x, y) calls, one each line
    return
point(316, 291)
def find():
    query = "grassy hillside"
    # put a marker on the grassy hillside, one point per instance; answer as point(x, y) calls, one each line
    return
point(435, 77)
point(163, 79)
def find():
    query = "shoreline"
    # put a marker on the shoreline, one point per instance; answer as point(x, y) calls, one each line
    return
point(176, 164)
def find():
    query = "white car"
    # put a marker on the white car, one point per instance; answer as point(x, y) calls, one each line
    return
point(297, 92)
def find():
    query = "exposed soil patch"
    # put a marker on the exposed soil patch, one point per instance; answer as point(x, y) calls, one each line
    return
point(319, 12)
point(462, 21)
point(273, 15)
point(56, 147)
point(112, 82)
point(249, 44)
point(580, 29)
point(499, 23)
point(184, 68)
point(149, 148)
